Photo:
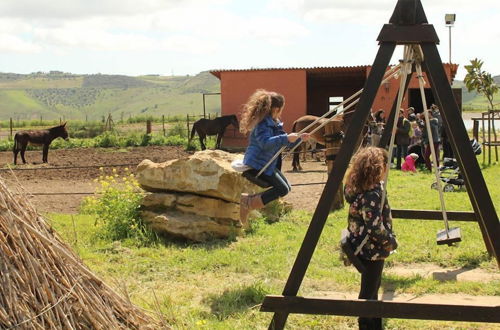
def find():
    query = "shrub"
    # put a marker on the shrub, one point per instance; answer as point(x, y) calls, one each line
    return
point(6, 145)
point(107, 140)
point(116, 208)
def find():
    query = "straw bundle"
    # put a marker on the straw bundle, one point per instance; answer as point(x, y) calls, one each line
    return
point(44, 285)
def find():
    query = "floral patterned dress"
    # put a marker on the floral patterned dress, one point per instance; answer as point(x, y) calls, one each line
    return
point(370, 231)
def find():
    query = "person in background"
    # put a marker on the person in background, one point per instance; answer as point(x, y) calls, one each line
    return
point(434, 125)
point(410, 114)
point(402, 138)
point(377, 127)
point(261, 118)
point(417, 133)
point(409, 164)
point(369, 222)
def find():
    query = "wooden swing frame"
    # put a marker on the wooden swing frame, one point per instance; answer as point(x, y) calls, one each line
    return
point(408, 26)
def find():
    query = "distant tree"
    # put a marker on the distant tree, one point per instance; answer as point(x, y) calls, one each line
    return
point(480, 81)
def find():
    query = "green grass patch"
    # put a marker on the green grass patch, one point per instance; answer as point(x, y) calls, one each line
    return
point(218, 285)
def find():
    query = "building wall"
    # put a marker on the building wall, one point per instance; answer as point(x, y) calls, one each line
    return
point(388, 92)
point(237, 86)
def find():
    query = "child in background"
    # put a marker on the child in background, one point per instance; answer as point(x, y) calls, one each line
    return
point(409, 164)
point(261, 118)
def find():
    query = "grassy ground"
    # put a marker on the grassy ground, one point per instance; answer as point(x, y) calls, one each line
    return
point(219, 285)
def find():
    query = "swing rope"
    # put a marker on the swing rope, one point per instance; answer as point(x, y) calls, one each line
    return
point(415, 55)
point(437, 172)
point(406, 64)
point(390, 74)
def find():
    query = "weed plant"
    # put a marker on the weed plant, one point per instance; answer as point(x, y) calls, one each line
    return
point(115, 207)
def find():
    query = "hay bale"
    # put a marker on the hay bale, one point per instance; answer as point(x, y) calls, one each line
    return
point(45, 285)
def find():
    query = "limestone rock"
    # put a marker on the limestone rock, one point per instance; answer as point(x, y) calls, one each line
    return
point(206, 173)
point(189, 203)
point(197, 197)
point(191, 226)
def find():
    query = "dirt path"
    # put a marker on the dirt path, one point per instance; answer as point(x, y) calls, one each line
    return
point(50, 183)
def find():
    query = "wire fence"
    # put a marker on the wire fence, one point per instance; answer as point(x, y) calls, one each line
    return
point(166, 125)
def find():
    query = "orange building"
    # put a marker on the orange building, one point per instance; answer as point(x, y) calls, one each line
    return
point(312, 91)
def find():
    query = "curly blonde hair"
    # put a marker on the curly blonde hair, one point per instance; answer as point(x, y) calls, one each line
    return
point(258, 106)
point(366, 169)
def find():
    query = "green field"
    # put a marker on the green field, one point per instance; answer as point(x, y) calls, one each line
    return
point(473, 102)
point(90, 97)
point(220, 284)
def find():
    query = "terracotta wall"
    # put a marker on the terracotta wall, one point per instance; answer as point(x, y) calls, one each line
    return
point(387, 93)
point(237, 86)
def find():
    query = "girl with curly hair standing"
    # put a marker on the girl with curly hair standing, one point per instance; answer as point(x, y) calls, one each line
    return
point(369, 222)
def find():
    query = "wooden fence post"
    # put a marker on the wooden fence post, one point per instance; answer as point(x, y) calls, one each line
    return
point(163, 123)
point(333, 141)
point(10, 136)
point(148, 126)
point(187, 122)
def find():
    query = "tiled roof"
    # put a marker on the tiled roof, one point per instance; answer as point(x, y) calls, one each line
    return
point(321, 69)
point(332, 69)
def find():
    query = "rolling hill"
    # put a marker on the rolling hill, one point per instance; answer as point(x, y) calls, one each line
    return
point(472, 101)
point(57, 94)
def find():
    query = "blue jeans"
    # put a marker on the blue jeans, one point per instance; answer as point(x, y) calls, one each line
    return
point(279, 186)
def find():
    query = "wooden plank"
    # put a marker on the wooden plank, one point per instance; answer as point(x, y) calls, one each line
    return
point(334, 181)
point(408, 34)
point(433, 215)
point(462, 149)
point(383, 309)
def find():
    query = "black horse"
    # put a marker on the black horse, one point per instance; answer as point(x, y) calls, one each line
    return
point(43, 137)
point(215, 126)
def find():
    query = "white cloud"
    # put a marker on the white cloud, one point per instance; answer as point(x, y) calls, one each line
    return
point(182, 29)
point(12, 44)
point(368, 12)
point(68, 9)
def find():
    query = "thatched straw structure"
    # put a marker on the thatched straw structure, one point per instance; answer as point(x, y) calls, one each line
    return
point(44, 285)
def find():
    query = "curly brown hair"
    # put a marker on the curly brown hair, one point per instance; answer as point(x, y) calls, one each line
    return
point(259, 105)
point(366, 169)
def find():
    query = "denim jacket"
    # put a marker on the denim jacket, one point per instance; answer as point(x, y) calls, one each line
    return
point(266, 139)
point(365, 223)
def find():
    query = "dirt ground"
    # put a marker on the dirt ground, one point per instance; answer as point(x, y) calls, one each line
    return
point(50, 184)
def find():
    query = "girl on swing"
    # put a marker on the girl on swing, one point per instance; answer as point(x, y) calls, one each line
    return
point(369, 224)
point(261, 118)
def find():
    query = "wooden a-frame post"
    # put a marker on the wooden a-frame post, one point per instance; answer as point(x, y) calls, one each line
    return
point(407, 26)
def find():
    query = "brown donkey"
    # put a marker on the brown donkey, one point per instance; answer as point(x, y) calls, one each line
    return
point(42, 137)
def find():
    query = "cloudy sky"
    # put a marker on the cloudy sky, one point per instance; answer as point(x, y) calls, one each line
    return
point(188, 36)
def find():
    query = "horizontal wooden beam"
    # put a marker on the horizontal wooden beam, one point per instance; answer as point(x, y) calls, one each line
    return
point(383, 309)
point(408, 34)
point(433, 215)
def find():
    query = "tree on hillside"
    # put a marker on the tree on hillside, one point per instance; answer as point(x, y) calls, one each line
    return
point(480, 81)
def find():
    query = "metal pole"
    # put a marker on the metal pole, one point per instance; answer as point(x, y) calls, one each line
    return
point(449, 37)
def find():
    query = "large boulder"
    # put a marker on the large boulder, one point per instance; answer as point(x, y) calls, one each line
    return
point(196, 197)
point(208, 173)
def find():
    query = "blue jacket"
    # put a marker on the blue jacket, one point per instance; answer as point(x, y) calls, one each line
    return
point(266, 139)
